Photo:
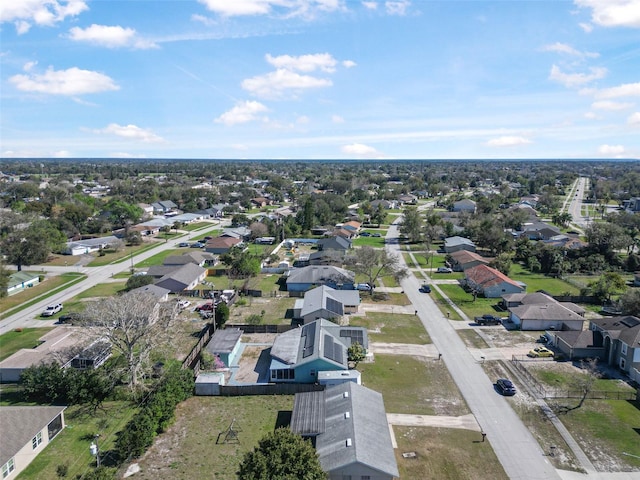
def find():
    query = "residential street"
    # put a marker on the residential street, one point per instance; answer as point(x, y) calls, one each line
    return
point(515, 447)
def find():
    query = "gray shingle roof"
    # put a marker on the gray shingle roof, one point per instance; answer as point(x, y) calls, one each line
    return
point(317, 274)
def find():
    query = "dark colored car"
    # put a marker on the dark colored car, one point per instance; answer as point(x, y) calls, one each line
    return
point(505, 387)
point(207, 307)
point(71, 318)
point(425, 289)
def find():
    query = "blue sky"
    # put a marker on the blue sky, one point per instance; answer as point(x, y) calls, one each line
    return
point(320, 79)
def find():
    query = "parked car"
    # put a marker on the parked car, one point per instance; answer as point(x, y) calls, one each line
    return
point(540, 352)
point(488, 319)
point(444, 270)
point(505, 387)
point(52, 310)
point(183, 303)
point(364, 287)
point(377, 235)
point(425, 288)
point(197, 245)
point(205, 307)
point(183, 244)
point(365, 234)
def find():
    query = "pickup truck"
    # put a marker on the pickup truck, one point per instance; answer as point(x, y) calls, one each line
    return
point(488, 320)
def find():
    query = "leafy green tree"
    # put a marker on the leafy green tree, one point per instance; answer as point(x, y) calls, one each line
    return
point(356, 353)
point(373, 263)
point(630, 302)
point(4, 278)
point(136, 281)
point(412, 224)
point(503, 263)
point(284, 455)
point(122, 213)
point(33, 244)
point(222, 314)
point(609, 284)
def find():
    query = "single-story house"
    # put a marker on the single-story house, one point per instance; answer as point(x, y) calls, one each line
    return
point(539, 311)
point(334, 243)
point(147, 210)
point(302, 279)
point(212, 212)
point(161, 294)
point(621, 342)
point(164, 206)
point(185, 277)
point(464, 205)
point(221, 245)
point(225, 345)
point(455, 244)
point(351, 225)
point(18, 281)
point(201, 259)
point(299, 354)
point(344, 233)
point(538, 231)
point(242, 233)
point(348, 426)
point(326, 302)
point(386, 204)
point(463, 260)
point(566, 241)
point(324, 257)
point(407, 198)
point(490, 282)
point(187, 218)
point(26, 431)
point(89, 245)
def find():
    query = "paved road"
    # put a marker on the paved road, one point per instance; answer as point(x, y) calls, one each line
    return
point(515, 447)
point(95, 275)
point(575, 203)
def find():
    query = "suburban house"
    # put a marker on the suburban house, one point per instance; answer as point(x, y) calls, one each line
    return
point(407, 198)
point(26, 431)
point(326, 302)
point(18, 281)
point(334, 243)
point(463, 260)
point(575, 345)
point(464, 205)
point(185, 277)
point(187, 218)
point(632, 205)
point(566, 241)
point(347, 425)
point(201, 259)
point(351, 225)
point(386, 204)
point(221, 245)
point(242, 233)
point(147, 210)
point(299, 354)
point(538, 231)
point(161, 294)
point(344, 233)
point(302, 279)
point(89, 245)
point(323, 257)
point(212, 212)
point(163, 207)
point(490, 282)
point(621, 343)
point(539, 311)
point(455, 244)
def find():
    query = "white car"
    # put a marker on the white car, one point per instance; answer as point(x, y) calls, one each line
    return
point(444, 270)
point(184, 303)
point(52, 310)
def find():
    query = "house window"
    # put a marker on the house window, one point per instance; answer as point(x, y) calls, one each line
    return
point(623, 363)
point(37, 440)
point(623, 348)
point(8, 467)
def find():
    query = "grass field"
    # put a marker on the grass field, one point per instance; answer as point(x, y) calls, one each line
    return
point(159, 257)
point(272, 310)
point(13, 341)
point(466, 302)
point(412, 385)
point(375, 242)
point(124, 254)
point(189, 450)
point(45, 289)
point(71, 446)
point(445, 454)
point(391, 328)
point(538, 281)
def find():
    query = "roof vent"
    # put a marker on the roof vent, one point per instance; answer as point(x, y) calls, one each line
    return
point(349, 442)
point(347, 414)
point(345, 395)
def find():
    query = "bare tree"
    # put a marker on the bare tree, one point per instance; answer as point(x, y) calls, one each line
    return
point(135, 324)
point(374, 263)
point(584, 382)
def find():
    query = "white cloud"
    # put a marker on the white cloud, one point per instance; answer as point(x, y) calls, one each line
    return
point(131, 132)
point(27, 67)
point(109, 36)
point(370, 5)
point(611, 150)
point(576, 79)
point(360, 150)
point(569, 50)
point(508, 141)
point(61, 154)
point(304, 63)
point(337, 119)
point(288, 8)
point(586, 27)
point(349, 64)
point(126, 155)
point(590, 116)
point(625, 90)
point(72, 81)
point(243, 112)
point(613, 13)
point(276, 84)
point(303, 120)
point(25, 13)
point(634, 119)
point(610, 106)
point(398, 7)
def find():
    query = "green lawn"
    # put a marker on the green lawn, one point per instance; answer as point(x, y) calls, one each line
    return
point(465, 301)
point(413, 385)
point(159, 257)
point(123, 255)
point(48, 287)
point(375, 242)
point(71, 446)
point(390, 328)
point(13, 341)
point(78, 303)
point(192, 227)
point(538, 281)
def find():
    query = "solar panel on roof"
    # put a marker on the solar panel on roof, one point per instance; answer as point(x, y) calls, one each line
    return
point(355, 335)
point(309, 335)
point(332, 350)
point(630, 322)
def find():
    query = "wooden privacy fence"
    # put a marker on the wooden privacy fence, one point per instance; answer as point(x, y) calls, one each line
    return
point(269, 389)
point(193, 359)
